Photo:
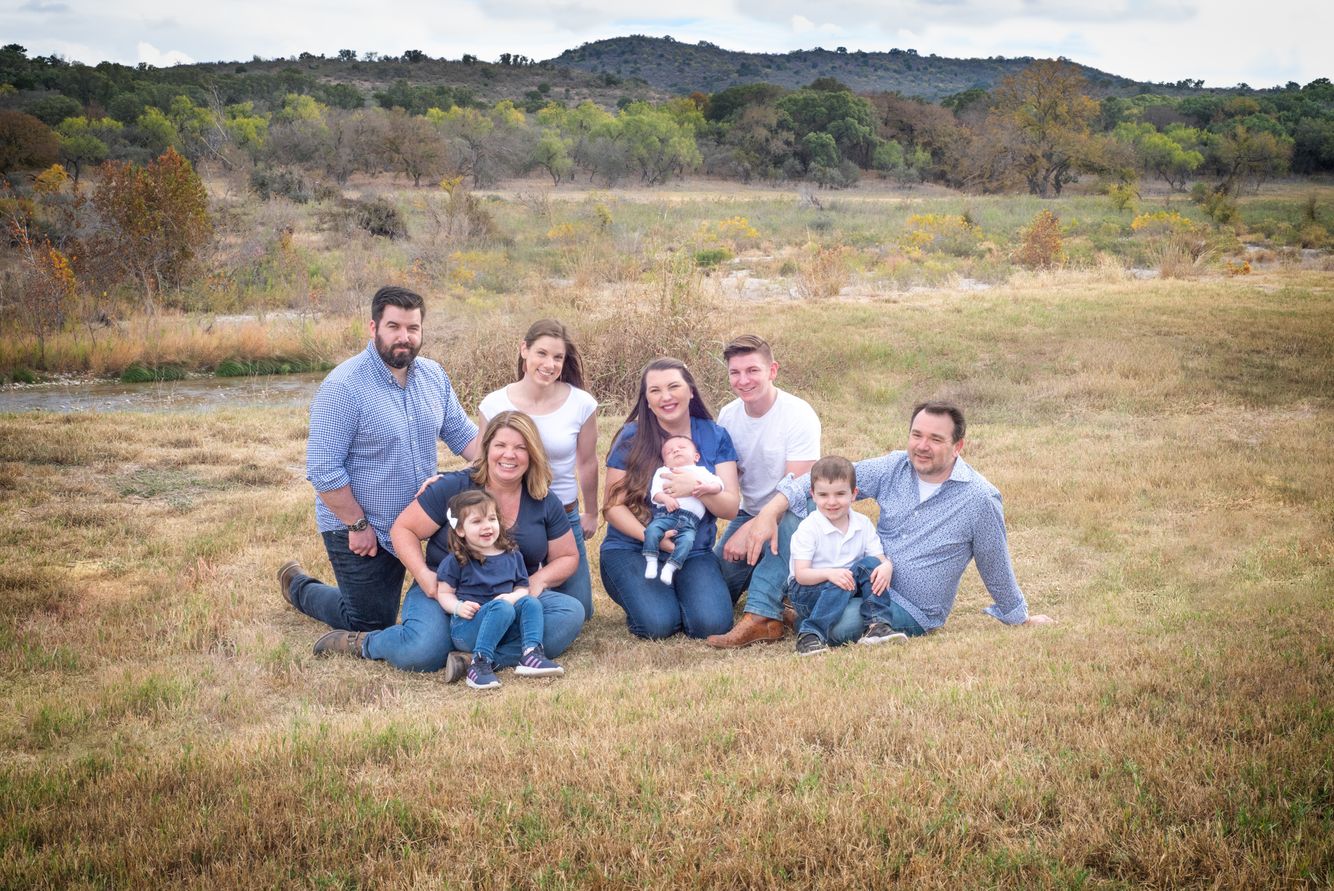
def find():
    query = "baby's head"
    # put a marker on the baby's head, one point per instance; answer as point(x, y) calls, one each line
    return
point(679, 451)
point(474, 525)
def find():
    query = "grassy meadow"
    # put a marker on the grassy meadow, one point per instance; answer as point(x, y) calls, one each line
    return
point(1165, 447)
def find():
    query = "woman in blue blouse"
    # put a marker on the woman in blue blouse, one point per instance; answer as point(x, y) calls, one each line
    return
point(697, 602)
point(512, 468)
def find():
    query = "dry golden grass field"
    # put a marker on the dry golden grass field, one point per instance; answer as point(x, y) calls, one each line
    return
point(1165, 448)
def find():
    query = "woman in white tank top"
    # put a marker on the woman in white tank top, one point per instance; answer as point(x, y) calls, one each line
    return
point(549, 389)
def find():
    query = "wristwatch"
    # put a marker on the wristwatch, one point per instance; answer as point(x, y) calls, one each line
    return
point(359, 525)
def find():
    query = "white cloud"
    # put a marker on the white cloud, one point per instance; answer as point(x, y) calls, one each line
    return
point(158, 59)
point(1222, 41)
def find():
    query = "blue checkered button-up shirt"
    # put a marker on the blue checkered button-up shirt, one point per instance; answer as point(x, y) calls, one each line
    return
point(368, 432)
point(932, 541)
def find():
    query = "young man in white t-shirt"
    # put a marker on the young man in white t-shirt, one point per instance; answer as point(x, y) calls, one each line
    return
point(775, 433)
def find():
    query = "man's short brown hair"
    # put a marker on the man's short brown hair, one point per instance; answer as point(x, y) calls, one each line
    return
point(941, 408)
point(748, 343)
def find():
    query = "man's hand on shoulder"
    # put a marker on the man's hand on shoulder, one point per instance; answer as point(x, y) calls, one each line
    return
point(1039, 619)
point(425, 483)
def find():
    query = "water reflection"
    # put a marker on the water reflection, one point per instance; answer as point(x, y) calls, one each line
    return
point(197, 394)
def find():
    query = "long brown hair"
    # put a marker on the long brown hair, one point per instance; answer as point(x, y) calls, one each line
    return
point(645, 455)
point(572, 369)
point(471, 502)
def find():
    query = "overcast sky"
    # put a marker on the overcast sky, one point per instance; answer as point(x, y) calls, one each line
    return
point(1224, 42)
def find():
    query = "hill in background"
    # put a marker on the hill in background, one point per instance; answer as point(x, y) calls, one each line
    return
point(681, 68)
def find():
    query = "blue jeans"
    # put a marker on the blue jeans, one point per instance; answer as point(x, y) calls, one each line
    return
point(696, 602)
point(580, 585)
point(768, 577)
point(366, 597)
point(686, 525)
point(851, 625)
point(820, 607)
point(482, 633)
point(421, 641)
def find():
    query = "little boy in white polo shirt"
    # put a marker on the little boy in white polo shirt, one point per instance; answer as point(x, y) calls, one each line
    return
point(835, 554)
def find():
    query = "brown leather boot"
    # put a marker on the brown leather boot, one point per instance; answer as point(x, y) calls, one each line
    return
point(751, 629)
point(341, 643)
point(789, 614)
point(287, 574)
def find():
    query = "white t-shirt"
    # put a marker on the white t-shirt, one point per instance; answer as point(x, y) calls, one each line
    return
point(788, 431)
point(926, 490)
point(559, 431)
point(820, 542)
point(685, 502)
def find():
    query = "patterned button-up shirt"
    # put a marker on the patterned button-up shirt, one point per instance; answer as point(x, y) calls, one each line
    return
point(368, 432)
point(932, 541)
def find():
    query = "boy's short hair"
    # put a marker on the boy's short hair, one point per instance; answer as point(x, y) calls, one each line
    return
point(834, 469)
point(748, 343)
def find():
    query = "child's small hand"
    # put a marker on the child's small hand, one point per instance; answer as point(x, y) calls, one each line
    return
point(670, 503)
point(843, 578)
point(466, 609)
point(880, 577)
point(514, 596)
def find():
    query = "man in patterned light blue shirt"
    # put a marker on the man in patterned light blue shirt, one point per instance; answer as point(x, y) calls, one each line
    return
point(936, 514)
point(373, 430)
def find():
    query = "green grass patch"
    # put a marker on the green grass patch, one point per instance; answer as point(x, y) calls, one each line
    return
point(137, 373)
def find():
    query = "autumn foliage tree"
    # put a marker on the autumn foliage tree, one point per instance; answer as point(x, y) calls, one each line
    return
point(1045, 119)
point(156, 219)
point(25, 143)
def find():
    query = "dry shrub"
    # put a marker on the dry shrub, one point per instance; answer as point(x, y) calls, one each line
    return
point(1179, 256)
point(451, 222)
point(1040, 247)
point(674, 314)
point(537, 204)
point(823, 273)
point(941, 233)
point(1313, 235)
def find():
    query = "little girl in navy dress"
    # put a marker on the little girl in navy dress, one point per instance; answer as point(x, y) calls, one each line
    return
point(484, 585)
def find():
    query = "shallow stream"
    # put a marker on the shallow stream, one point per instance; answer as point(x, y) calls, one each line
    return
point(192, 394)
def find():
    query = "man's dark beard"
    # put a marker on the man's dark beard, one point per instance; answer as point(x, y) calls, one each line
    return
point(402, 360)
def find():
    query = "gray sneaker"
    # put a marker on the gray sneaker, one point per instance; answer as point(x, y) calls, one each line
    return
point(879, 633)
point(482, 674)
point(809, 644)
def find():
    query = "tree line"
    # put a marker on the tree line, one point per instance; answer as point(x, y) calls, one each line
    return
point(1037, 131)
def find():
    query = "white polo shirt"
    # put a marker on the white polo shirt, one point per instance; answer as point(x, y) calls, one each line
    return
point(818, 541)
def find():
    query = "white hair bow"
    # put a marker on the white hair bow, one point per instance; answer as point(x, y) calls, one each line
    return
point(449, 516)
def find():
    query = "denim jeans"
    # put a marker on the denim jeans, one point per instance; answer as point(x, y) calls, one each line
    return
point(421, 641)
point(366, 597)
point(696, 601)
point(851, 625)
point(580, 585)
point(820, 607)
point(482, 633)
point(686, 525)
point(764, 582)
